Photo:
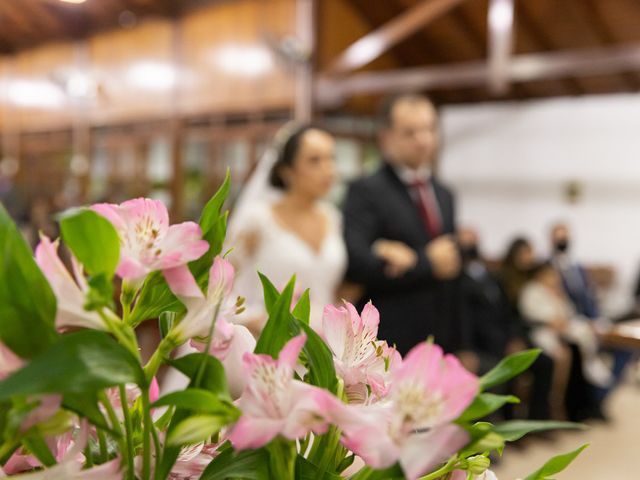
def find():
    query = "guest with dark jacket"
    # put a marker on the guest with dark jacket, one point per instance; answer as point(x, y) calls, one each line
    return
point(496, 329)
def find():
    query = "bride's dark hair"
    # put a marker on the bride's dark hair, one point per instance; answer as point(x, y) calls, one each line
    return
point(288, 153)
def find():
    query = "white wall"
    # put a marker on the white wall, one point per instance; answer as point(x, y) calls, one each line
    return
point(510, 164)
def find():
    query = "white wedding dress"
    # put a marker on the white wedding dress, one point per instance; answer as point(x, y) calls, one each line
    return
point(279, 253)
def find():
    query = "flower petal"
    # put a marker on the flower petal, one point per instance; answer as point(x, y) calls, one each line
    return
point(291, 351)
point(182, 283)
point(183, 243)
point(252, 432)
point(421, 452)
point(221, 277)
point(335, 322)
point(371, 318)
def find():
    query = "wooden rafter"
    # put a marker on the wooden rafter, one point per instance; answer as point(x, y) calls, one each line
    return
point(522, 68)
point(594, 16)
point(524, 21)
point(391, 33)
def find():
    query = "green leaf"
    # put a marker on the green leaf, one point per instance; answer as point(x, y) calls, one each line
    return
point(80, 362)
point(86, 405)
point(165, 322)
point(555, 465)
point(211, 210)
point(199, 400)
point(484, 404)
point(213, 378)
point(305, 470)
point(302, 310)
point(270, 292)
point(92, 239)
point(246, 465)
point(508, 368)
point(516, 429)
point(196, 428)
point(36, 445)
point(276, 331)
point(27, 303)
point(322, 372)
point(155, 298)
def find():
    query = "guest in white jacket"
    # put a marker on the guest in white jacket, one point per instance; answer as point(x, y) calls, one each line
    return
point(555, 324)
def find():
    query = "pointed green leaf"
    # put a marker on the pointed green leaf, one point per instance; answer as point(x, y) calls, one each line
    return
point(195, 429)
point(198, 400)
point(213, 379)
point(165, 322)
point(79, 362)
point(508, 368)
point(270, 292)
point(555, 465)
point(92, 239)
point(246, 465)
point(305, 470)
point(27, 303)
point(276, 331)
point(516, 429)
point(212, 209)
point(302, 310)
point(154, 299)
point(484, 404)
point(318, 357)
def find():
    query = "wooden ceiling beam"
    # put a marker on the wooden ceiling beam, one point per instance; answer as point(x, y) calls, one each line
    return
point(522, 68)
point(524, 20)
point(593, 13)
point(381, 40)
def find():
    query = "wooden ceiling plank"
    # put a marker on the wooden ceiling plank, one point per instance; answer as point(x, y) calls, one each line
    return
point(375, 43)
point(594, 16)
point(524, 20)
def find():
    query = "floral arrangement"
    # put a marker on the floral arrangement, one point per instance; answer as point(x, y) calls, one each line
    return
point(77, 402)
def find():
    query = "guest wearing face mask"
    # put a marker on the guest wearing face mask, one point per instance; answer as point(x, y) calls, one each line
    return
point(574, 277)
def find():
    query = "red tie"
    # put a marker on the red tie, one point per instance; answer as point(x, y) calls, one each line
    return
point(423, 194)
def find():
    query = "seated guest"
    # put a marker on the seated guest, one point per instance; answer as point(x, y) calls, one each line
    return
point(496, 330)
point(580, 291)
point(515, 268)
point(574, 277)
point(554, 325)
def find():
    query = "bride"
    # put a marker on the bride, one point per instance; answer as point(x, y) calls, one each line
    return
point(281, 225)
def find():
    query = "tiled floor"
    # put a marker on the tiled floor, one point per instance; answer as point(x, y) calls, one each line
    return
point(613, 454)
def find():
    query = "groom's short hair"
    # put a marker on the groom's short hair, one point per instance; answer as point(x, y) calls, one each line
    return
point(385, 111)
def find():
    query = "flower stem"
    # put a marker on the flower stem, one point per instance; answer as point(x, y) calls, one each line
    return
point(102, 439)
point(128, 431)
point(146, 436)
point(201, 368)
point(115, 422)
point(282, 459)
point(446, 468)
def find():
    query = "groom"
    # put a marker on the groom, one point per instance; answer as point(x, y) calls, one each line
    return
point(399, 224)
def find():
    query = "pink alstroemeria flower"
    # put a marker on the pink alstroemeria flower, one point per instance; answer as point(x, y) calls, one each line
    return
point(230, 341)
point(71, 466)
point(147, 242)
point(413, 425)
point(201, 308)
point(274, 403)
point(361, 360)
point(70, 293)
point(192, 461)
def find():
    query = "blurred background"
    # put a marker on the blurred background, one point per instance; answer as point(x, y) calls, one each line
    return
point(103, 100)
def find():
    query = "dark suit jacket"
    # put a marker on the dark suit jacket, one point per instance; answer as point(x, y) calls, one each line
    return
point(415, 305)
